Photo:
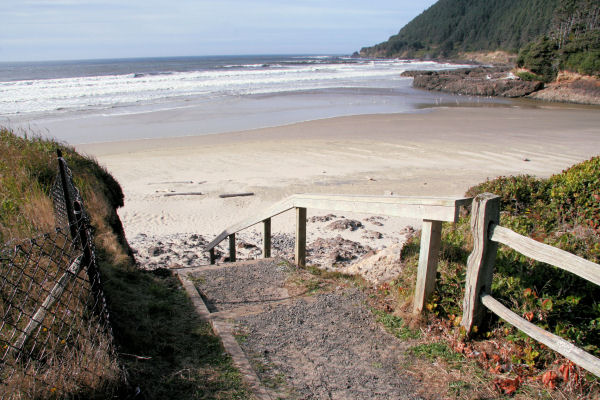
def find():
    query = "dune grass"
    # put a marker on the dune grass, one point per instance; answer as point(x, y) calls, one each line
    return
point(163, 350)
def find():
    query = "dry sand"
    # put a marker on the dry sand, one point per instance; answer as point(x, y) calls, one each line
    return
point(437, 153)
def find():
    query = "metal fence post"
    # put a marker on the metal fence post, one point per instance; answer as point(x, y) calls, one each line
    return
point(62, 167)
point(89, 260)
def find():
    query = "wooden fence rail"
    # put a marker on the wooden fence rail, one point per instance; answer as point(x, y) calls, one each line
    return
point(485, 215)
point(431, 210)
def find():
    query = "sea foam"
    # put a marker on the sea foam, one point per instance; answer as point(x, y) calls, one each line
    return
point(103, 92)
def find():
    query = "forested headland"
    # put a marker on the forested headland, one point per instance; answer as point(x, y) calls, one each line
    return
point(548, 35)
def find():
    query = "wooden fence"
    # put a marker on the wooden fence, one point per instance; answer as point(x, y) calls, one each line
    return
point(487, 233)
point(431, 210)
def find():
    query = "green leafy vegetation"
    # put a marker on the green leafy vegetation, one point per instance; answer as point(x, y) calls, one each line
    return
point(529, 76)
point(432, 351)
point(545, 57)
point(561, 211)
point(549, 35)
point(395, 325)
point(538, 57)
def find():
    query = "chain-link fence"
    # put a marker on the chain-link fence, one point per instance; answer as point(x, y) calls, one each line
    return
point(55, 336)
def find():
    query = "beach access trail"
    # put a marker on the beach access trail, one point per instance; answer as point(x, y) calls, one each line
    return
point(304, 342)
point(295, 337)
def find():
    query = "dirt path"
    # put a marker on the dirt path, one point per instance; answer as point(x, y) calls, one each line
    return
point(305, 338)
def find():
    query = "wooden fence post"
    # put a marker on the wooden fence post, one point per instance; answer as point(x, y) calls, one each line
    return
point(213, 257)
point(431, 235)
point(300, 245)
point(267, 238)
point(232, 247)
point(480, 265)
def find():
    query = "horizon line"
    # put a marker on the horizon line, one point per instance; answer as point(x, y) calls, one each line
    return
point(179, 56)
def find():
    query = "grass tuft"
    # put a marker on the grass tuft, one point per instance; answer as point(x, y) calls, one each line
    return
point(433, 351)
point(395, 325)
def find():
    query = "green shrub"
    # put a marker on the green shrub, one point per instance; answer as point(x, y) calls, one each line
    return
point(528, 76)
point(561, 211)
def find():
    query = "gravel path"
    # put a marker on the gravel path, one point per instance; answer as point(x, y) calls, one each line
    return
point(232, 286)
point(319, 345)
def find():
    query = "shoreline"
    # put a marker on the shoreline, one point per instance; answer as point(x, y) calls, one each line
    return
point(302, 129)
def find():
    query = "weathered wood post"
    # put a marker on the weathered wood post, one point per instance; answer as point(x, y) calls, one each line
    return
point(431, 236)
point(213, 257)
point(300, 245)
point(232, 247)
point(267, 238)
point(480, 264)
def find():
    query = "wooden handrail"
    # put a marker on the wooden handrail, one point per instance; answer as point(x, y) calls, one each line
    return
point(547, 254)
point(431, 210)
point(427, 208)
point(270, 212)
point(556, 343)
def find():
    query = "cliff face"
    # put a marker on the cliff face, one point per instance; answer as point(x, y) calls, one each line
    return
point(453, 26)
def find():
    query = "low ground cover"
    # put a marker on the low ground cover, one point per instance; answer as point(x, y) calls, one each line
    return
point(562, 211)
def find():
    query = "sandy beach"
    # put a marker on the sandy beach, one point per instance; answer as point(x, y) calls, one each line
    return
point(437, 153)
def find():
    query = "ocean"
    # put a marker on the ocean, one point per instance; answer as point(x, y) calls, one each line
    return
point(227, 93)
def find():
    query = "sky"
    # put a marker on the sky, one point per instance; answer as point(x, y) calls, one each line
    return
point(34, 30)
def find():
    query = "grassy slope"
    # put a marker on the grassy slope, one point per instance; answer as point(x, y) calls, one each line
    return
point(151, 315)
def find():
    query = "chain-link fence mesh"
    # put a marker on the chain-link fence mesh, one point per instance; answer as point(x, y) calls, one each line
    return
point(55, 336)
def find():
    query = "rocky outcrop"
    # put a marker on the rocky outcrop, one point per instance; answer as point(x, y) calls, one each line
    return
point(571, 88)
point(475, 82)
point(329, 252)
point(345, 224)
